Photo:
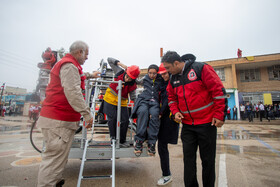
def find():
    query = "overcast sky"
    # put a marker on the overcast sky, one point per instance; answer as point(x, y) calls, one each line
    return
point(132, 31)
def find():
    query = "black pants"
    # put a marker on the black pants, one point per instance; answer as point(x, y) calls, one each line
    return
point(228, 116)
point(204, 137)
point(145, 110)
point(111, 112)
point(261, 114)
point(164, 158)
point(234, 115)
point(250, 116)
point(242, 115)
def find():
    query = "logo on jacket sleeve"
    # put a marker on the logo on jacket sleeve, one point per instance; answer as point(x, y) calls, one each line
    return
point(192, 75)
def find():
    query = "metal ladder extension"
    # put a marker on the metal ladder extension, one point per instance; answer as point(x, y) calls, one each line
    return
point(114, 143)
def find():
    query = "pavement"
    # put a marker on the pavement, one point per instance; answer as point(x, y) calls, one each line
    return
point(248, 154)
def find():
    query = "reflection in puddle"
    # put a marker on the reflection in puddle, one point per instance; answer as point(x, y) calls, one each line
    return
point(4, 129)
point(13, 120)
point(247, 150)
point(243, 135)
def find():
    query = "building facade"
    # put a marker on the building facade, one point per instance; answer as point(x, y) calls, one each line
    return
point(250, 79)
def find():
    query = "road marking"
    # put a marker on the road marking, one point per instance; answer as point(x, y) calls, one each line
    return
point(222, 171)
point(262, 142)
point(222, 182)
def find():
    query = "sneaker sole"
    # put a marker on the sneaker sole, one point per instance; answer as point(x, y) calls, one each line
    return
point(165, 183)
point(139, 152)
point(151, 154)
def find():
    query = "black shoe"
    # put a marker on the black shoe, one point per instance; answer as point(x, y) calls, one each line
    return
point(151, 149)
point(60, 183)
point(138, 146)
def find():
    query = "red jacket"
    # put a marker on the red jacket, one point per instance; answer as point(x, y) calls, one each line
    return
point(55, 105)
point(198, 94)
point(127, 87)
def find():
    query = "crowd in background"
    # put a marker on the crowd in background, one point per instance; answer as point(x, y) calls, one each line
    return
point(249, 111)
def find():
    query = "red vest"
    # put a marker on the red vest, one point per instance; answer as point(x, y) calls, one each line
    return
point(55, 105)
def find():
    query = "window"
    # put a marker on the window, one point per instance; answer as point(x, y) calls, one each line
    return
point(252, 98)
point(250, 75)
point(274, 72)
point(221, 73)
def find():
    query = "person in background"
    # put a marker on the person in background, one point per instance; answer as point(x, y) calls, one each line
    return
point(197, 99)
point(234, 112)
point(128, 75)
point(168, 131)
point(257, 110)
point(61, 112)
point(253, 110)
point(262, 111)
point(228, 113)
point(248, 109)
point(242, 111)
point(146, 109)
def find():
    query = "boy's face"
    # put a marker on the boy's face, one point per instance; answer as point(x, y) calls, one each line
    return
point(152, 73)
point(127, 78)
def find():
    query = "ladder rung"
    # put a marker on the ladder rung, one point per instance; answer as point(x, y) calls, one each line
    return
point(101, 125)
point(99, 160)
point(97, 177)
point(102, 132)
point(100, 145)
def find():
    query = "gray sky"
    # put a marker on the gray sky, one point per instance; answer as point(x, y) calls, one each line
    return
point(132, 31)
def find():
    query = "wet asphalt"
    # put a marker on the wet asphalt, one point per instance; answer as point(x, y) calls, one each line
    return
point(248, 154)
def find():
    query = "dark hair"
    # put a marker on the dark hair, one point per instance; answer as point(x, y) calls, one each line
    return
point(171, 57)
point(153, 66)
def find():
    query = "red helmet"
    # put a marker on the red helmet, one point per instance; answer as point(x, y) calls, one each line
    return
point(133, 71)
point(161, 69)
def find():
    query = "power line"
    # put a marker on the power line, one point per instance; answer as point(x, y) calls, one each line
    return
point(4, 55)
point(16, 65)
point(17, 55)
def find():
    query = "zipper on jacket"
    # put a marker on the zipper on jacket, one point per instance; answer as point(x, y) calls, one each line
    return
point(187, 103)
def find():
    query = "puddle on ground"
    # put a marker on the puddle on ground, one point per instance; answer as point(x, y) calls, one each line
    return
point(13, 120)
point(246, 150)
point(244, 135)
point(4, 129)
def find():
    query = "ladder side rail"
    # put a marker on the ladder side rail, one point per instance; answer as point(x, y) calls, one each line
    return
point(87, 97)
point(119, 88)
point(82, 165)
point(113, 163)
point(93, 106)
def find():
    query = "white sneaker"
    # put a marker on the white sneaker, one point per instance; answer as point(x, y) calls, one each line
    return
point(164, 180)
point(124, 145)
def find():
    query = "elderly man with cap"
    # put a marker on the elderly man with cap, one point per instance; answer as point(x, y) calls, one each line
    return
point(146, 109)
point(61, 113)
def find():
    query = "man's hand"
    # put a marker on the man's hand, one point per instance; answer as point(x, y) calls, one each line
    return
point(178, 117)
point(217, 122)
point(89, 123)
point(96, 74)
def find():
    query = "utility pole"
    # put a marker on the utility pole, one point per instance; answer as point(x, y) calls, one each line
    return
point(2, 90)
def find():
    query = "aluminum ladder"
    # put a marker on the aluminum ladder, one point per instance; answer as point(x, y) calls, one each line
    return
point(114, 143)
